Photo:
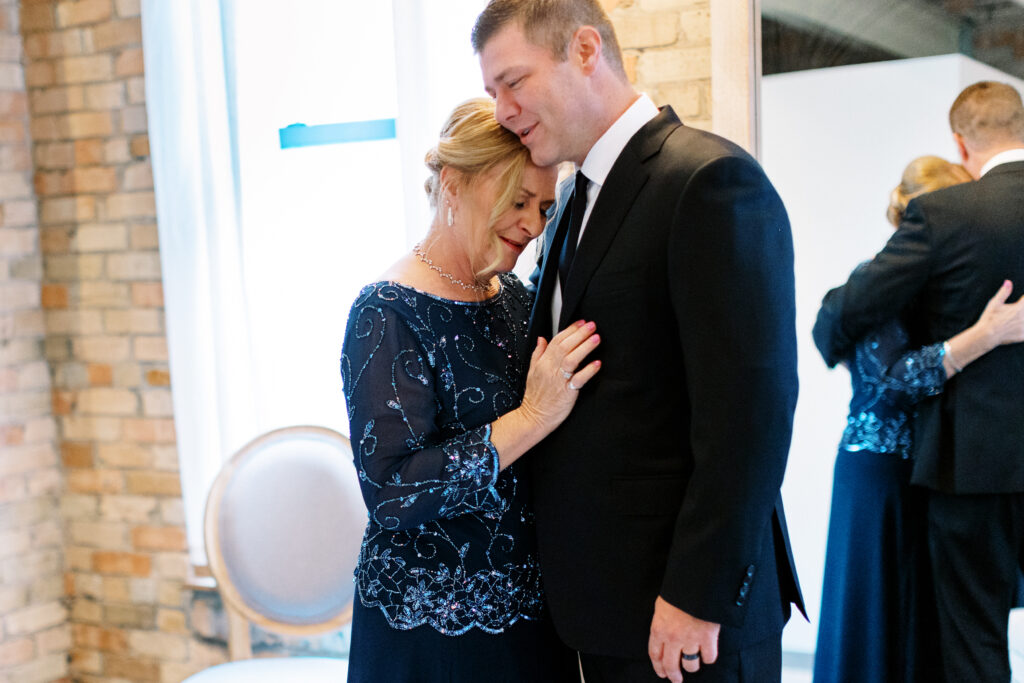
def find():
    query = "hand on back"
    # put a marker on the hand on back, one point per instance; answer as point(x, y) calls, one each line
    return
point(1003, 321)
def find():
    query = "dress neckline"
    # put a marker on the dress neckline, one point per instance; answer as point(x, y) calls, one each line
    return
point(437, 297)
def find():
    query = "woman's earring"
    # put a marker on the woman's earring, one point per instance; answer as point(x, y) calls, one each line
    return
point(451, 217)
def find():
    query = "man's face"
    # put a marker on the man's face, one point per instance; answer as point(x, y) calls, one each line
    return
point(536, 96)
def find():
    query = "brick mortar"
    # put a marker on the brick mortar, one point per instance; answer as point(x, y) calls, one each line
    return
point(101, 301)
point(34, 628)
point(667, 49)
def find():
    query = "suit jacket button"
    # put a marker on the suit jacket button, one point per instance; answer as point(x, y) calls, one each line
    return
point(750, 571)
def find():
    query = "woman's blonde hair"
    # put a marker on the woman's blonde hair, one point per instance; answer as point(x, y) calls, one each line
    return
point(923, 174)
point(473, 143)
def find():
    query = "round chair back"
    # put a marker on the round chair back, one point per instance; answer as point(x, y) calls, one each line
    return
point(284, 522)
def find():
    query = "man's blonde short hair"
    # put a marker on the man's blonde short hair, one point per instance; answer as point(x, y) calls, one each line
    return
point(988, 113)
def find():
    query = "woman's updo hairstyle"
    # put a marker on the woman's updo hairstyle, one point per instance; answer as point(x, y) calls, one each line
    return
point(923, 174)
point(472, 143)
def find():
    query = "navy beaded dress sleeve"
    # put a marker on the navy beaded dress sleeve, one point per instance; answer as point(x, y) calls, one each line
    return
point(449, 542)
point(888, 380)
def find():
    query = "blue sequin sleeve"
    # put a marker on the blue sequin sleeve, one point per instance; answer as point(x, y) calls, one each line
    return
point(914, 376)
point(888, 381)
point(411, 469)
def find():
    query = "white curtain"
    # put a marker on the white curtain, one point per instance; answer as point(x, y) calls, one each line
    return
point(436, 69)
point(194, 171)
point(263, 249)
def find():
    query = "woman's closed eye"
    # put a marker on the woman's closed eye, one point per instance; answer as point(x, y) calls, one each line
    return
point(546, 210)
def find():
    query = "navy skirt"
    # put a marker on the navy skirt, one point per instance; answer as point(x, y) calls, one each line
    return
point(526, 652)
point(877, 619)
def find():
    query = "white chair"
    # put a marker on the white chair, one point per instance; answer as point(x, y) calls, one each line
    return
point(284, 522)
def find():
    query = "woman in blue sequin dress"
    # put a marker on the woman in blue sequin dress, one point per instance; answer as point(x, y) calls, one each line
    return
point(875, 623)
point(443, 397)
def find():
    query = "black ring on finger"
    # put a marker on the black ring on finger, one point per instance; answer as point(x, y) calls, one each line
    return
point(691, 658)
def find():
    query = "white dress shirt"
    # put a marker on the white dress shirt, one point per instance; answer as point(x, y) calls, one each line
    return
point(598, 164)
point(1003, 158)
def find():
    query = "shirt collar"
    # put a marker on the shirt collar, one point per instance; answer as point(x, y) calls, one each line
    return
point(1003, 158)
point(609, 146)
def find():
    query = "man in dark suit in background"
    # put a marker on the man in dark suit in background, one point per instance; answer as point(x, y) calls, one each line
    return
point(953, 247)
point(663, 543)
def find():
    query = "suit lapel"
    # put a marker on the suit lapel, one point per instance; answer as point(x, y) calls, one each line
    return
point(620, 189)
point(554, 233)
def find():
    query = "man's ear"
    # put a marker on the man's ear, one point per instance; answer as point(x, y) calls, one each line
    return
point(585, 49)
point(961, 148)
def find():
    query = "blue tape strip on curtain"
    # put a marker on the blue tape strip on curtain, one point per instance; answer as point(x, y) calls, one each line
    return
point(301, 135)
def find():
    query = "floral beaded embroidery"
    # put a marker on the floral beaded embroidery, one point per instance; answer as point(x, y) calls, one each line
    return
point(887, 385)
point(449, 541)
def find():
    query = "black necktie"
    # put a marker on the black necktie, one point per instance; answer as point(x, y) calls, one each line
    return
point(577, 208)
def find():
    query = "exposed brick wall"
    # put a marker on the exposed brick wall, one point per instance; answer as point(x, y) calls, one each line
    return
point(34, 630)
point(102, 302)
point(666, 45)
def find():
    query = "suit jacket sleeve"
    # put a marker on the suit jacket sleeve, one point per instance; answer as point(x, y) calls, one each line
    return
point(878, 290)
point(826, 329)
point(732, 291)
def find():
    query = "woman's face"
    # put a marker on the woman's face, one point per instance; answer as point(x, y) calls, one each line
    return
point(518, 225)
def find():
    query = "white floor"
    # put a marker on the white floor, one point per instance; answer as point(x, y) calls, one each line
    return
point(1016, 634)
point(791, 675)
point(797, 666)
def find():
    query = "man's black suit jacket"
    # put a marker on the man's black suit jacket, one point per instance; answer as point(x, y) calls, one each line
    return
point(665, 478)
point(949, 256)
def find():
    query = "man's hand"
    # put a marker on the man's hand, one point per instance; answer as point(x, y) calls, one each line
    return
point(675, 633)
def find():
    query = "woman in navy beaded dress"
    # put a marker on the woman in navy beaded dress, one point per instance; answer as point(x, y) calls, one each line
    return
point(443, 397)
point(875, 623)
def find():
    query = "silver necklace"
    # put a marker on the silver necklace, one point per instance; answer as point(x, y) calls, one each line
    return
point(422, 256)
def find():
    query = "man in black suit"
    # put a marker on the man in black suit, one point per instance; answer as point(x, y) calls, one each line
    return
point(953, 248)
point(663, 543)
